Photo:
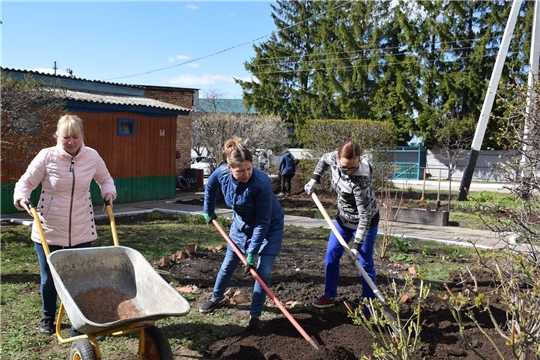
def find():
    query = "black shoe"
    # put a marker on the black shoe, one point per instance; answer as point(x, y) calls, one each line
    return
point(46, 325)
point(254, 323)
point(209, 306)
point(73, 333)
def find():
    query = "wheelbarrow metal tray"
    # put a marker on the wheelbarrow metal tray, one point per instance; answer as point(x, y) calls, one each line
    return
point(120, 269)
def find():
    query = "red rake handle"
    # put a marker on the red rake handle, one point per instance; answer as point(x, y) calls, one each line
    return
point(263, 285)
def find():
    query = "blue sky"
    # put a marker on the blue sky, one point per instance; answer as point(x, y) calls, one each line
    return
point(111, 41)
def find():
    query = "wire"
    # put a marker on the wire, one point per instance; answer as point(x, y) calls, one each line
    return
point(379, 65)
point(313, 57)
point(230, 48)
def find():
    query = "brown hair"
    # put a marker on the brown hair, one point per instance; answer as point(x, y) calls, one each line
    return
point(236, 152)
point(349, 150)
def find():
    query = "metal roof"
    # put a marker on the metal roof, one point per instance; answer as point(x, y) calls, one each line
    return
point(33, 72)
point(121, 100)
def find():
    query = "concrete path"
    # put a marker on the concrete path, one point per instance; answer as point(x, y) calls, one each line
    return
point(443, 234)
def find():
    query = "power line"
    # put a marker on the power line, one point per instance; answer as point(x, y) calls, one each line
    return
point(318, 57)
point(228, 49)
point(378, 65)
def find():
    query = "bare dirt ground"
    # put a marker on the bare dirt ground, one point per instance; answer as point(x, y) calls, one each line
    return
point(298, 275)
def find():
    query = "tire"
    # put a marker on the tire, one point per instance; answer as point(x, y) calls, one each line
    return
point(156, 344)
point(181, 182)
point(82, 349)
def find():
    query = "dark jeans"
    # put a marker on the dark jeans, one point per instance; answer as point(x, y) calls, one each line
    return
point(264, 270)
point(286, 183)
point(46, 288)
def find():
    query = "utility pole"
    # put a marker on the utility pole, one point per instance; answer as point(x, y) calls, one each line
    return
point(54, 67)
point(488, 101)
point(531, 99)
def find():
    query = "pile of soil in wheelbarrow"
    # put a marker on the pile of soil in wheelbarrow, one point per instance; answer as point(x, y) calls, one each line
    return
point(298, 275)
point(105, 304)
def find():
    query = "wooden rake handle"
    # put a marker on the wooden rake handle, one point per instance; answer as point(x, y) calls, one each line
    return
point(263, 285)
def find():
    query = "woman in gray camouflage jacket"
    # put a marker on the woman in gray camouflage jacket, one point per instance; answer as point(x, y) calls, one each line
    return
point(358, 216)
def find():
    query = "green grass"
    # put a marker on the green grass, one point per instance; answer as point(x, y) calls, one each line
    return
point(160, 236)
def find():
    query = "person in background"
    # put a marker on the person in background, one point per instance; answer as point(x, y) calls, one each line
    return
point(357, 217)
point(287, 169)
point(257, 223)
point(65, 210)
point(263, 160)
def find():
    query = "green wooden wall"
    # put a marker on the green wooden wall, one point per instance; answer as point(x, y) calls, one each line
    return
point(129, 190)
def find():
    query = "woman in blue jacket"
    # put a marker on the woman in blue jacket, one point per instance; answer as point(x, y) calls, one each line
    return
point(257, 226)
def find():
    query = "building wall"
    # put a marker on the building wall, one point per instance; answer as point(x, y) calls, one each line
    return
point(143, 166)
point(183, 144)
point(486, 169)
point(150, 152)
point(184, 98)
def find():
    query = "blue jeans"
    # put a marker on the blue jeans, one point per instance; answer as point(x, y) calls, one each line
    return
point(334, 252)
point(230, 263)
point(46, 288)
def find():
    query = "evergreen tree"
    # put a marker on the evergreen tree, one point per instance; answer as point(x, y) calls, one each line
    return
point(283, 64)
point(419, 64)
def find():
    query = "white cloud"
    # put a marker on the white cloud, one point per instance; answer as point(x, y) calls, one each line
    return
point(177, 57)
point(204, 79)
point(192, 7)
point(193, 65)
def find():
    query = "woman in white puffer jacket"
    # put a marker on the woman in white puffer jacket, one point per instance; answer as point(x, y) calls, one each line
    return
point(65, 209)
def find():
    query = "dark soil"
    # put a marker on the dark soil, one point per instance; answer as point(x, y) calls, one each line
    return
point(298, 275)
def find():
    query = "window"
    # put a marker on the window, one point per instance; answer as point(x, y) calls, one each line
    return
point(126, 127)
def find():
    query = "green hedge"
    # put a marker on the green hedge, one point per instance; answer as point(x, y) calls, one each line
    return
point(373, 137)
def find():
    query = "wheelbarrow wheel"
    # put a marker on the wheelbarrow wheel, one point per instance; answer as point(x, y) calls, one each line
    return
point(82, 349)
point(156, 344)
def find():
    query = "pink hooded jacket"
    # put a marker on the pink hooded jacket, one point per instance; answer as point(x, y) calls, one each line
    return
point(65, 206)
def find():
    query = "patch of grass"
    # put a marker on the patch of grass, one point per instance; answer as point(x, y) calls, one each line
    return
point(467, 220)
point(438, 262)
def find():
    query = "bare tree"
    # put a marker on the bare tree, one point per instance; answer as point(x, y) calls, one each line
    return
point(454, 136)
point(30, 111)
point(516, 273)
point(214, 129)
point(213, 126)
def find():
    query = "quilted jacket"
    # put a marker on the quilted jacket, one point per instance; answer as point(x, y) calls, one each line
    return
point(257, 226)
point(357, 205)
point(65, 206)
point(286, 164)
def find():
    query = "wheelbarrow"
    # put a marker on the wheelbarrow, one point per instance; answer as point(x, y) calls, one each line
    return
point(111, 290)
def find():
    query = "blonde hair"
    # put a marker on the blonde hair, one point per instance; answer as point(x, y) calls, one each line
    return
point(69, 125)
point(236, 152)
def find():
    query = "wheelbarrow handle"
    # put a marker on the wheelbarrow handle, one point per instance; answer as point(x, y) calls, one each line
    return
point(263, 285)
point(108, 208)
point(37, 224)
